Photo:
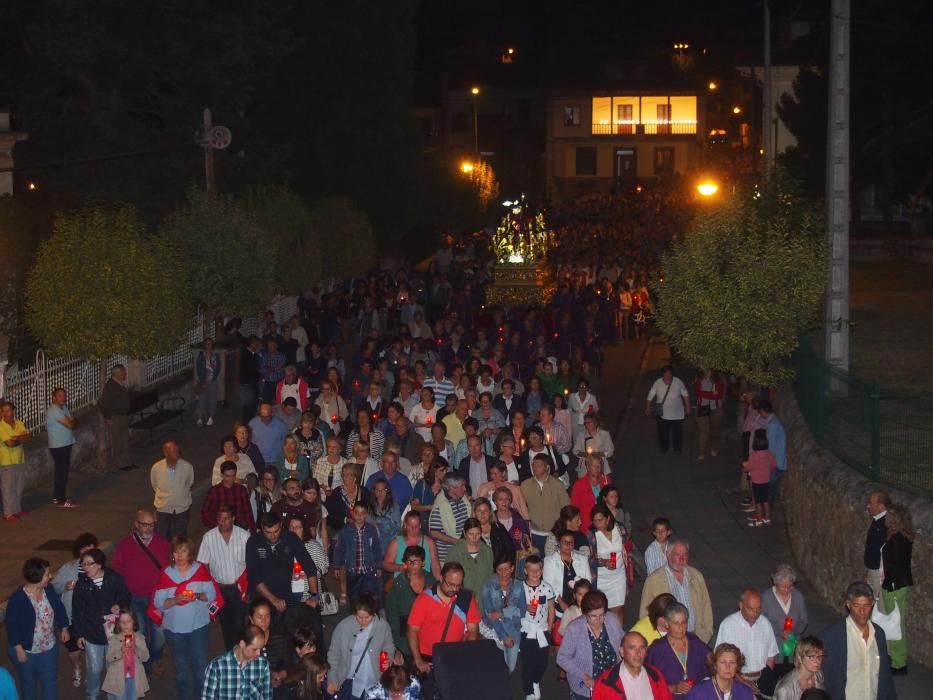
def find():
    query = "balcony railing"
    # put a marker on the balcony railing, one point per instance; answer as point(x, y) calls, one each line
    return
point(656, 128)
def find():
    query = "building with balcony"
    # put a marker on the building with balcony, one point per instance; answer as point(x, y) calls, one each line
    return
point(605, 139)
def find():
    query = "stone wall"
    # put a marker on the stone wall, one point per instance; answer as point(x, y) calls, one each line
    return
point(40, 469)
point(824, 500)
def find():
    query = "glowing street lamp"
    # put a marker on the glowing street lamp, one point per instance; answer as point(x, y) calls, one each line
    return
point(736, 110)
point(474, 90)
point(713, 85)
point(707, 188)
point(467, 167)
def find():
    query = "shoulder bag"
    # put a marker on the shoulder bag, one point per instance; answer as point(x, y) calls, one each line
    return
point(659, 406)
point(345, 691)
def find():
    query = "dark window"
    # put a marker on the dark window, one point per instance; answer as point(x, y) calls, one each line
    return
point(571, 116)
point(459, 122)
point(586, 161)
point(663, 162)
point(426, 126)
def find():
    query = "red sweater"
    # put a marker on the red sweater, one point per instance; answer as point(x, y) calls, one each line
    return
point(134, 565)
point(609, 686)
point(581, 496)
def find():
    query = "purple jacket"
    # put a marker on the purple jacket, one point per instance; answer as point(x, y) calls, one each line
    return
point(704, 691)
point(575, 655)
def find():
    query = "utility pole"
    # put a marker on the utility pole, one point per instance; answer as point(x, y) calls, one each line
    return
point(767, 116)
point(210, 137)
point(836, 312)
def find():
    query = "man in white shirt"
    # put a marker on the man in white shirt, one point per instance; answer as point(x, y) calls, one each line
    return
point(223, 550)
point(172, 479)
point(753, 634)
point(669, 402)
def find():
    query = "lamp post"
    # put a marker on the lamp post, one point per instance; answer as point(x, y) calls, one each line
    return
point(475, 92)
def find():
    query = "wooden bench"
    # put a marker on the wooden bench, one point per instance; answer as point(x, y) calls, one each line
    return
point(147, 412)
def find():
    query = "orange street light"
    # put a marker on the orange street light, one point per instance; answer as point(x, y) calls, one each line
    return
point(736, 110)
point(467, 167)
point(713, 85)
point(707, 188)
point(474, 90)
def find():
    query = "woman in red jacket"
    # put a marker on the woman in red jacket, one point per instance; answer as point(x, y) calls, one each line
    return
point(710, 390)
point(585, 492)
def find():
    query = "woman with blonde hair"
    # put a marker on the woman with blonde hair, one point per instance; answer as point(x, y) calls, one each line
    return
point(896, 558)
point(808, 660)
point(724, 663)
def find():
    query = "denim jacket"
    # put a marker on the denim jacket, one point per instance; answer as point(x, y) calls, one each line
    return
point(345, 550)
point(510, 624)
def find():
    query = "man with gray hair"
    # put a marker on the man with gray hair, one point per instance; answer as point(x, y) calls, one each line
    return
point(686, 584)
point(450, 512)
point(856, 664)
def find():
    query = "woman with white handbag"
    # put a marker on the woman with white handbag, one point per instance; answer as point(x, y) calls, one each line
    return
point(897, 579)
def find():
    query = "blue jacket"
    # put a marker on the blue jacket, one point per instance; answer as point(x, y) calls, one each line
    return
point(777, 441)
point(201, 366)
point(21, 617)
point(345, 550)
point(834, 664)
point(510, 624)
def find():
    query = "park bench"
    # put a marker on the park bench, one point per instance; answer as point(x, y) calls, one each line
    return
point(147, 412)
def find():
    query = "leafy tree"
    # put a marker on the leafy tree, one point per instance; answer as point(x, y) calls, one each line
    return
point(101, 286)
point(287, 221)
point(229, 257)
point(804, 114)
point(347, 236)
point(742, 285)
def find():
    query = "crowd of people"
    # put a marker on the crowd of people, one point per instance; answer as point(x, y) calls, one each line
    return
point(448, 481)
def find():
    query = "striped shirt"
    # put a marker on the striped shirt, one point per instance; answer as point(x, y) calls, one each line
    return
point(681, 592)
point(226, 560)
point(435, 522)
point(328, 475)
point(441, 388)
point(655, 557)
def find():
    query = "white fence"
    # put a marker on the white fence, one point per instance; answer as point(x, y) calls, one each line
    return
point(31, 389)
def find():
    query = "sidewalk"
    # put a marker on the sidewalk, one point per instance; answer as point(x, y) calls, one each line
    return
point(107, 501)
point(694, 496)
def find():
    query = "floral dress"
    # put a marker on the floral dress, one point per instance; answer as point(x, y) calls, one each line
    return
point(43, 637)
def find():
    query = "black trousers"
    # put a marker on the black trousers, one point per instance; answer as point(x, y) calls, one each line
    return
point(534, 663)
point(231, 615)
point(61, 456)
point(669, 430)
point(171, 524)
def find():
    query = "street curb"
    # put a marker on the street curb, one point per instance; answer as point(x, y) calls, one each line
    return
point(107, 547)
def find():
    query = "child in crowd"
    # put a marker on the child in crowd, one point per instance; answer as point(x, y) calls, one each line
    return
point(760, 465)
point(126, 653)
point(580, 589)
point(656, 553)
point(537, 622)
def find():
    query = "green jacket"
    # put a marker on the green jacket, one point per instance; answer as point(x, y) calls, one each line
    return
point(398, 604)
point(477, 571)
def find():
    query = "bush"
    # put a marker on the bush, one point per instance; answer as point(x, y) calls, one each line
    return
point(100, 286)
point(744, 283)
point(346, 235)
point(230, 258)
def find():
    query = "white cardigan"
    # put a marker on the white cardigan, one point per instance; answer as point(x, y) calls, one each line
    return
point(554, 570)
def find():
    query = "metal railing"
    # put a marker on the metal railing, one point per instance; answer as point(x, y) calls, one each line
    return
point(883, 434)
point(30, 389)
point(645, 128)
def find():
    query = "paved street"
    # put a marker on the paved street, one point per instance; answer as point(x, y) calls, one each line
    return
point(693, 494)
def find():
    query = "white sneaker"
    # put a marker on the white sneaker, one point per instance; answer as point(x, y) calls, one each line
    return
point(537, 689)
point(210, 421)
point(199, 423)
point(530, 697)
